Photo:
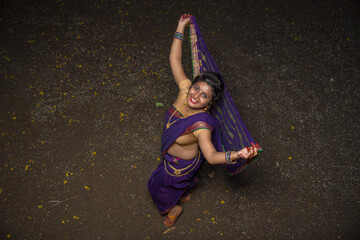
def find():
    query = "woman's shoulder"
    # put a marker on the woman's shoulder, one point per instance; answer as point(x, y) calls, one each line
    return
point(184, 84)
point(203, 117)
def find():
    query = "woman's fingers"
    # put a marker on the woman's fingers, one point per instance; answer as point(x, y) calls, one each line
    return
point(186, 15)
point(248, 152)
point(253, 151)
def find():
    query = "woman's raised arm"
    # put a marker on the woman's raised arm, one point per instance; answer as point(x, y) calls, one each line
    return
point(176, 50)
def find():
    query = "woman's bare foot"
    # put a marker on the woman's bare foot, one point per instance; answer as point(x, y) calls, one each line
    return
point(173, 216)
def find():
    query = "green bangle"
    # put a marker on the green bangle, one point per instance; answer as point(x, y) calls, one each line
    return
point(179, 36)
point(227, 157)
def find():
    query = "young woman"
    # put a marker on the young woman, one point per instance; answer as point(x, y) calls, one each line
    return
point(187, 135)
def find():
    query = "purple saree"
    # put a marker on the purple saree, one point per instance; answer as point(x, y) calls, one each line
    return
point(174, 177)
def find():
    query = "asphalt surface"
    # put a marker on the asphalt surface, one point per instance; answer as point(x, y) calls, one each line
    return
point(80, 129)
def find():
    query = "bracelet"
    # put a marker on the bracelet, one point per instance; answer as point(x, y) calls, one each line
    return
point(227, 158)
point(179, 36)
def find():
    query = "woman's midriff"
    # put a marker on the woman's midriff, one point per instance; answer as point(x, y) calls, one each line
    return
point(185, 147)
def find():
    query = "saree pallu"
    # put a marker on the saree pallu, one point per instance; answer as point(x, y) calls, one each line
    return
point(233, 134)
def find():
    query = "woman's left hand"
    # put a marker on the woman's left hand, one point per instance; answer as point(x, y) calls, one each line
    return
point(184, 19)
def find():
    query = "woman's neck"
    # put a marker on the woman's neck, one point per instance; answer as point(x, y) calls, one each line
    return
point(191, 111)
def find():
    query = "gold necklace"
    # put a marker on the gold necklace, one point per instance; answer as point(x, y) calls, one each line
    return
point(187, 107)
point(177, 110)
point(168, 123)
point(192, 112)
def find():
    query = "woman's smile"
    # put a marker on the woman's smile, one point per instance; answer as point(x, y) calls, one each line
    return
point(199, 95)
point(193, 100)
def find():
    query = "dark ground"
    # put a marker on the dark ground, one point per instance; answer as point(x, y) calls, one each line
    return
point(80, 131)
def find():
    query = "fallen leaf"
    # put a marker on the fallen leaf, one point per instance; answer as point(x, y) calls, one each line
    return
point(159, 104)
point(211, 175)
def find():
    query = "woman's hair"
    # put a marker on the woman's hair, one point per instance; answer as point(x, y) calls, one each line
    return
point(213, 79)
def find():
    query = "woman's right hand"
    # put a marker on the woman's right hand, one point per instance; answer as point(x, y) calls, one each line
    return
point(248, 152)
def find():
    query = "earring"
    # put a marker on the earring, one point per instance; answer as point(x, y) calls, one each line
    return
point(206, 108)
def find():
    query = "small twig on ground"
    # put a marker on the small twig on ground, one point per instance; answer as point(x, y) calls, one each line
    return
point(62, 201)
point(140, 95)
point(169, 230)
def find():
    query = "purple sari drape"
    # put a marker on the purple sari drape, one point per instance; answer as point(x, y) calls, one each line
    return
point(174, 177)
point(234, 134)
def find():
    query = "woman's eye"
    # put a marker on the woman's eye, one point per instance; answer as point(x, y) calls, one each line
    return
point(204, 95)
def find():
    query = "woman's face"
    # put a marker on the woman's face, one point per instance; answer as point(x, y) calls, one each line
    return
point(199, 96)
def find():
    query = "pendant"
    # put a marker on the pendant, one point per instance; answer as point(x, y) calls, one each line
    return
point(177, 172)
point(167, 125)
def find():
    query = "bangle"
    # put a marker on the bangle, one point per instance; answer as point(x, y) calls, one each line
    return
point(179, 36)
point(228, 157)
